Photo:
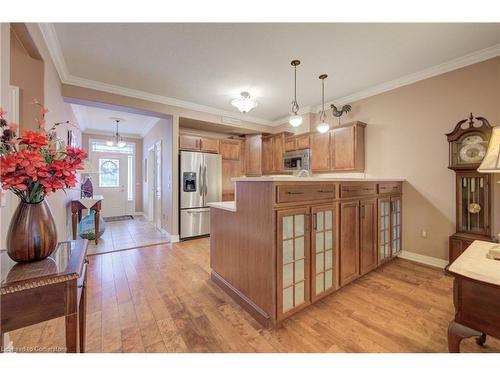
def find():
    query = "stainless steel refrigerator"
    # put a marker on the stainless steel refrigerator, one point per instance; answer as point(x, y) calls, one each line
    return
point(200, 183)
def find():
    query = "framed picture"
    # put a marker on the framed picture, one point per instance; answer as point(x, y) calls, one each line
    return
point(71, 141)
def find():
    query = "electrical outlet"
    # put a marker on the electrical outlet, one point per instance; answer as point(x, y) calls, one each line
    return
point(423, 233)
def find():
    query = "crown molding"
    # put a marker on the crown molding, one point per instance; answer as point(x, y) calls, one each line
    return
point(54, 46)
point(91, 132)
point(471, 58)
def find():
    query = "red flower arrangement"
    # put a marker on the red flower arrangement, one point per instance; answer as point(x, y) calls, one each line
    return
point(36, 164)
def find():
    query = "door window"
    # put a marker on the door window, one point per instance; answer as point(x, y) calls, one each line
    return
point(109, 172)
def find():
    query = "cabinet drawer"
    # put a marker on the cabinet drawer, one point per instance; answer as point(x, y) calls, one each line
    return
point(389, 188)
point(293, 193)
point(357, 190)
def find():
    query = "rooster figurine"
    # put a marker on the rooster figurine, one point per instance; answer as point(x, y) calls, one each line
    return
point(346, 108)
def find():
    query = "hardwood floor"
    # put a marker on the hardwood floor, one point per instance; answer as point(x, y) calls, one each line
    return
point(161, 299)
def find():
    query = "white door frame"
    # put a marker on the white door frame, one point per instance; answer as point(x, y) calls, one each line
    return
point(158, 207)
point(150, 173)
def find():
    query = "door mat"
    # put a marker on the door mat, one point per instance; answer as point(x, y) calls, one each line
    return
point(118, 218)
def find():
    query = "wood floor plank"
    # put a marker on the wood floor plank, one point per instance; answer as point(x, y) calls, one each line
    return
point(161, 299)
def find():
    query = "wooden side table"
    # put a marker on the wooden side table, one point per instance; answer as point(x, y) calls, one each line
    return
point(476, 296)
point(31, 293)
point(78, 205)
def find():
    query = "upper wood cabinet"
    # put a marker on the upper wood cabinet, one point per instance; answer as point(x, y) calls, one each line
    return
point(230, 149)
point(320, 152)
point(273, 147)
point(347, 149)
point(297, 142)
point(342, 149)
point(253, 155)
point(196, 143)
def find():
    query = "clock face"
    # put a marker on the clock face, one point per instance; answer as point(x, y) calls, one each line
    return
point(472, 149)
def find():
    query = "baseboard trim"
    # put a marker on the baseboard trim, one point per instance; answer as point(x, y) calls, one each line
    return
point(423, 259)
point(250, 307)
point(174, 237)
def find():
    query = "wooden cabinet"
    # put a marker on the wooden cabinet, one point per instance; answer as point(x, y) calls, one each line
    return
point(253, 155)
point(293, 283)
point(297, 142)
point(230, 149)
point(306, 273)
point(368, 236)
point(273, 147)
point(347, 147)
point(196, 143)
point(209, 145)
point(349, 241)
point(232, 165)
point(320, 152)
point(342, 149)
point(324, 254)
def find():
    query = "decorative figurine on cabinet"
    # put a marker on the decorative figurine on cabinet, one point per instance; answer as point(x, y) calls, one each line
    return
point(468, 143)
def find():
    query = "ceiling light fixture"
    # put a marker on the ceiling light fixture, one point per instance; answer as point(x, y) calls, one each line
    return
point(117, 139)
point(322, 127)
point(295, 120)
point(244, 103)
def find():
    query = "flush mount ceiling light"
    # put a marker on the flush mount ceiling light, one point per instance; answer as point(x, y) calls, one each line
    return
point(244, 103)
point(295, 120)
point(322, 127)
point(117, 139)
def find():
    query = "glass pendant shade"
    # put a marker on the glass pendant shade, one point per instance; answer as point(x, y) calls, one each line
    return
point(323, 127)
point(295, 120)
point(244, 103)
point(121, 143)
point(491, 161)
point(110, 143)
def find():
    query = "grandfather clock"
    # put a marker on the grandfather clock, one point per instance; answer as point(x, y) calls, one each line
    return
point(468, 143)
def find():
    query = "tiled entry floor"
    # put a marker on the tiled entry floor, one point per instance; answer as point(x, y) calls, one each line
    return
point(127, 234)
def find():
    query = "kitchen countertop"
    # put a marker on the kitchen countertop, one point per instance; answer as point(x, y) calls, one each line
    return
point(228, 205)
point(474, 264)
point(313, 179)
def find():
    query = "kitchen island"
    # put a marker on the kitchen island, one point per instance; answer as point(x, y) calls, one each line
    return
point(286, 242)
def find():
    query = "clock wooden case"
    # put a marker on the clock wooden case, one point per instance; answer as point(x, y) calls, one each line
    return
point(468, 143)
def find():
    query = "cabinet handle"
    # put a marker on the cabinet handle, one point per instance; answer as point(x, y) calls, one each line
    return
point(294, 192)
point(315, 226)
point(362, 211)
point(307, 228)
point(326, 191)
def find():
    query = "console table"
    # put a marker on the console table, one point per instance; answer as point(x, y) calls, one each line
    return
point(77, 205)
point(31, 293)
point(476, 296)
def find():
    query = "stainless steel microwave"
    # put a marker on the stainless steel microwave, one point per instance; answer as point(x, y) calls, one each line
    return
point(297, 160)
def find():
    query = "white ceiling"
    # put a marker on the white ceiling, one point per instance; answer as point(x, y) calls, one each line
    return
point(209, 64)
point(100, 120)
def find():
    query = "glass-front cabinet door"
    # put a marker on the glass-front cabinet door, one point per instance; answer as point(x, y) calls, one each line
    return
point(293, 260)
point(323, 251)
point(395, 225)
point(384, 229)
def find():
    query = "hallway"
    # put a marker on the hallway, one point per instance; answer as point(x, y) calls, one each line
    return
point(128, 234)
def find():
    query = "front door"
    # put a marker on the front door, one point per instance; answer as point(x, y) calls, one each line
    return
point(111, 182)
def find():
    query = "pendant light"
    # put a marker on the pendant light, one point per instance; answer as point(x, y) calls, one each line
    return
point(118, 140)
point(295, 120)
point(322, 127)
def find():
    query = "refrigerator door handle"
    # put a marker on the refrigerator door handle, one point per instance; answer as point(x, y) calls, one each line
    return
point(205, 182)
point(200, 184)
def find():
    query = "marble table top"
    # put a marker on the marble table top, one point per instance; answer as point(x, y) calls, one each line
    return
point(474, 264)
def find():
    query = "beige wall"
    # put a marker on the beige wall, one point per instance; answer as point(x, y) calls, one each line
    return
point(406, 138)
point(162, 131)
point(27, 73)
point(138, 164)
